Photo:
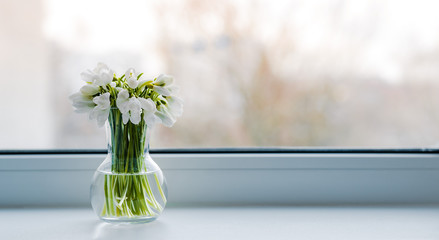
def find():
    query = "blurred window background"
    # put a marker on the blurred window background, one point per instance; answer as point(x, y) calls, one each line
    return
point(320, 73)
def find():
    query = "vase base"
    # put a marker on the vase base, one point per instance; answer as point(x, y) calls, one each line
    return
point(138, 220)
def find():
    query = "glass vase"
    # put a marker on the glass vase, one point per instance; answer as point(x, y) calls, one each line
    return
point(128, 187)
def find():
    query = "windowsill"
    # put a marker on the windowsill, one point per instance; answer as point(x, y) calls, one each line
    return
point(409, 222)
point(245, 179)
point(63, 180)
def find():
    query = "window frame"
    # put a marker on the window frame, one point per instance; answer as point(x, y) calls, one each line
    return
point(235, 176)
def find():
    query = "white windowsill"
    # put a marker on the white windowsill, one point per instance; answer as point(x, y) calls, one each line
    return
point(38, 192)
point(311, 223)
point(63, 180)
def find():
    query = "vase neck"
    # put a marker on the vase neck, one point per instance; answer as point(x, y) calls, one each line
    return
point(128, 144)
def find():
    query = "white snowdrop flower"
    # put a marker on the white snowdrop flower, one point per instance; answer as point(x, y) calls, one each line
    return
point(148, 109)
point(101, 75)
point(164, 80)
point(105, 75)
point(102, 109)
point(169, 112)
point(131, 78)
point(151, 119)
point(82, 103)
point(134, 111)
point(147, 104)
point(88, 76)
point(89, 89)
point(100, 67)
point(165, 116)
point(163, 85)
point(102, 101)
point(162, 91)
point(129, 107)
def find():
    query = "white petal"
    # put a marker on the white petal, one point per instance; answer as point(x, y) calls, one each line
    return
point(123, 107)
point(134, 104)
point(165, 117)
point(123, 95)
point(125, 117)
point(102, 75)
point(94, 113)
point(132, 82)
point(161, 90)
point(164, 80)
point(82, 103)
point(98, 81)
point(76, 96)
point(103, 101)
point(151, 119)
point(174, 100)
point(84, 108)
point(102, 116)
point(89, 89)
point(131, 78)
point(147, 104)
point(134, 108)
point(102, 110)
point(175, 106)
point(131, 73)
point(88, 76)
point(113, 84)
point(135, 117)
point(100, 67)
point(176, 112)
point(122, 101)
point(106, 78)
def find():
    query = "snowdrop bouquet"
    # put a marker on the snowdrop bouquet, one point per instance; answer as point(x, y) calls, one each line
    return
point(136, 98)
point(128, 186)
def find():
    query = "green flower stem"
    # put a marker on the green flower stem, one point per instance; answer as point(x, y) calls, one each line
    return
point(160, 189)
point(128, 192)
